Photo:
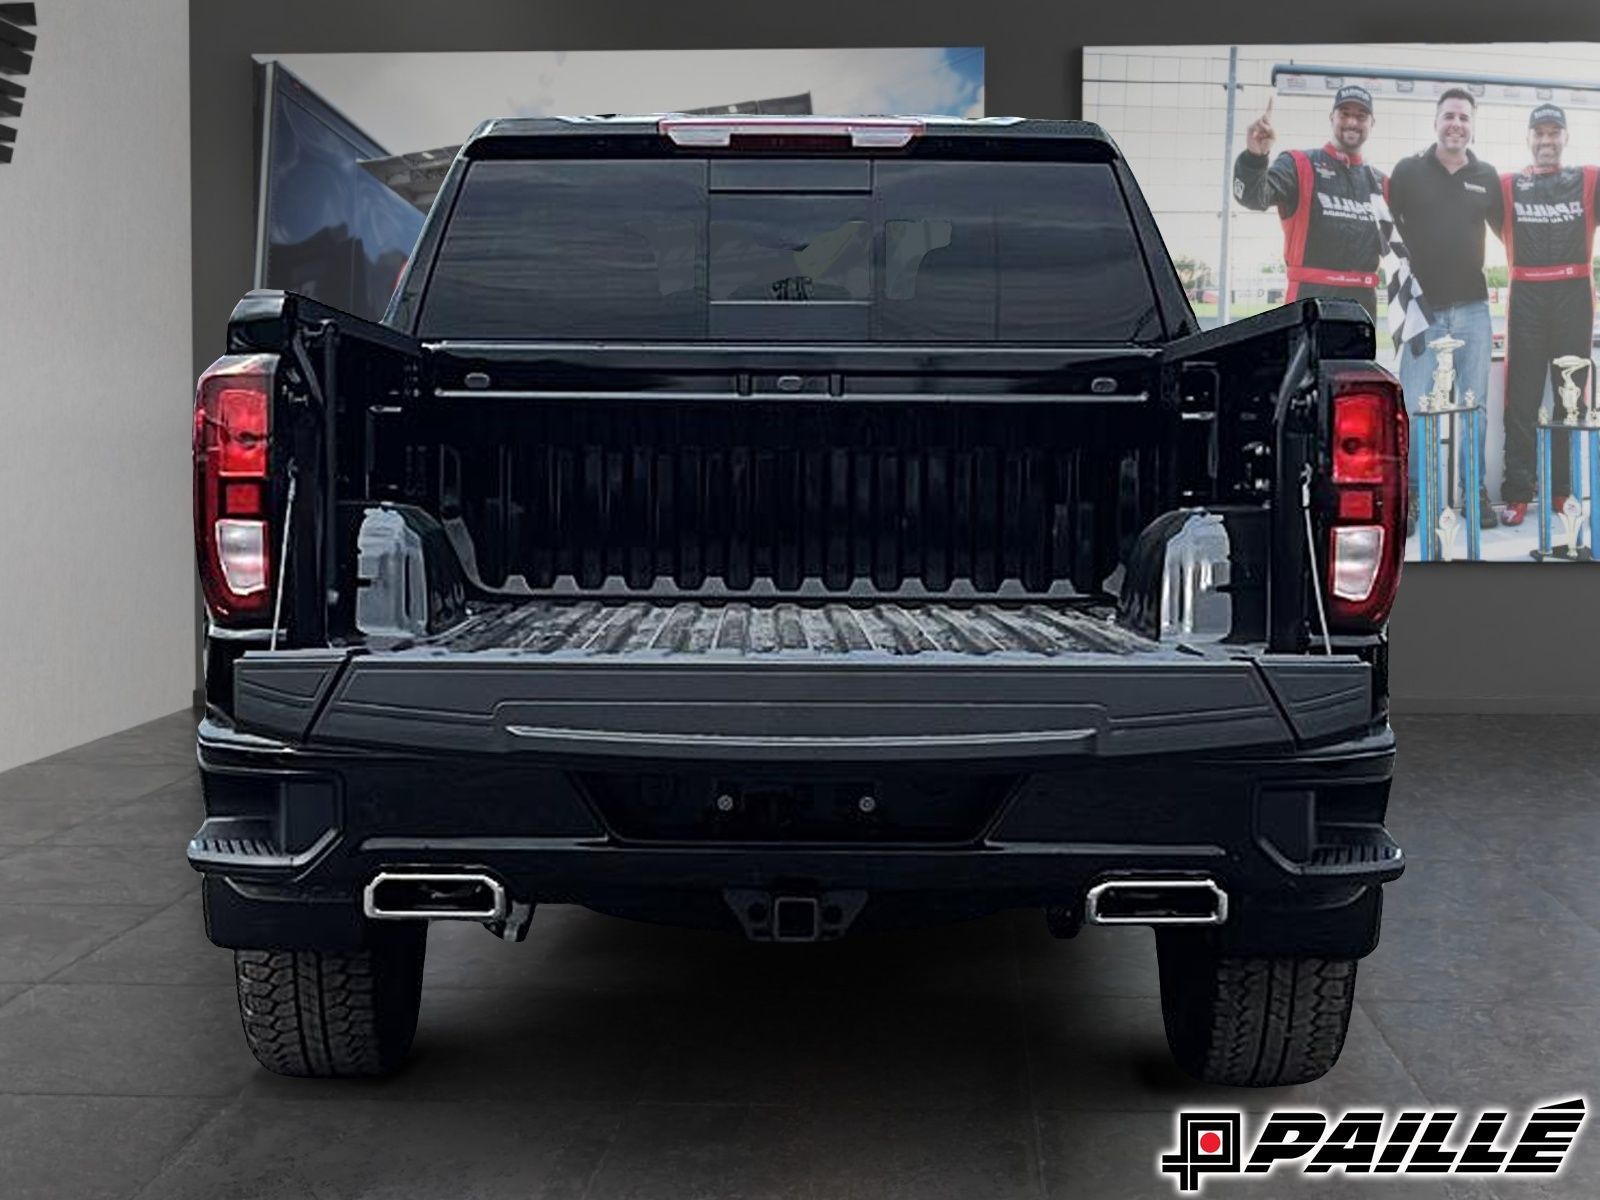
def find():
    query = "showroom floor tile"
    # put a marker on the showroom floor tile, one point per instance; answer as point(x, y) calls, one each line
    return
point(53, 874)
point(107, 781)
point(607, 1058)
point(37, 940)
point(260, 1149)
point(132, 1137)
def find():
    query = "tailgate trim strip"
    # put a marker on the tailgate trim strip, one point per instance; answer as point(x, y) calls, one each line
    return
point(859, 748)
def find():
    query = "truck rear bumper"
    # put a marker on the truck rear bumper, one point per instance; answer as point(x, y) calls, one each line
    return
point(293, 834)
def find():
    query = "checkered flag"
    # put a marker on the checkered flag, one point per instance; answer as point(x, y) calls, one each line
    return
point(1408, 311)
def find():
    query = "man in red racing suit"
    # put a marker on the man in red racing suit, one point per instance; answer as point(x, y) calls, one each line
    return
point(1324, 199)
point(1549, 237)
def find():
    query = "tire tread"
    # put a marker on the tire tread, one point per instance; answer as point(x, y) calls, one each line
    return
point(322, 1014)
point(1255, 1022)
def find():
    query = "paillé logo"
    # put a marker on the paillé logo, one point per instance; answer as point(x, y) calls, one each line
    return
point(1210, 1143)
point(16, 58)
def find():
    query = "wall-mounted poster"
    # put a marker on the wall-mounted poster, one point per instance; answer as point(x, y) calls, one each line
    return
point(1448, 189)
point(325, 226)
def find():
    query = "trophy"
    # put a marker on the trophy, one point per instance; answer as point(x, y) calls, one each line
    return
point(1572, 514)
point(1581, 426)
point(1571, 393)
point(1439, 413)
point(1449, 526)
point(1444, 374)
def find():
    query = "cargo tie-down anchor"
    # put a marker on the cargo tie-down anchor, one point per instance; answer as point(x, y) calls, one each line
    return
point(781, 917)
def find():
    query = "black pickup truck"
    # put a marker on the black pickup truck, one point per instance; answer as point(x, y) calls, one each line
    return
point(798, 527)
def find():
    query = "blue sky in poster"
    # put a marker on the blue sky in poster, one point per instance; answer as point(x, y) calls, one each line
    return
point(965, 64)
point(420, 101)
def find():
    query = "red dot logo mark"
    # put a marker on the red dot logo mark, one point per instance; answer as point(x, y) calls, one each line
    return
point(1210, 1143)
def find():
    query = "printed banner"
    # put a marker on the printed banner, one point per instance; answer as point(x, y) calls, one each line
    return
point(1450, 191)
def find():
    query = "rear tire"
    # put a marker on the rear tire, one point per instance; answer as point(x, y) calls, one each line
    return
point(321, 1014)
point(1253, 1022)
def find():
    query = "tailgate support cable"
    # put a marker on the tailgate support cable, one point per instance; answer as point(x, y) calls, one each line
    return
point(317, 398)
point(1285, 575)
point(283, 557)
point(1311, 557)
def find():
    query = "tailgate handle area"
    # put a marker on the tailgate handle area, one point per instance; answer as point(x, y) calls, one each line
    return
point(852, 748)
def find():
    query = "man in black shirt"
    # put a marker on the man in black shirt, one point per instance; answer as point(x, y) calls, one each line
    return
point(1323, 198)
point(1444, 199)
point(1549, 237)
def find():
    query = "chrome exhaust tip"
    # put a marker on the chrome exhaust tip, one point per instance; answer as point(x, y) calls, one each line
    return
point(434, 896)
point(1134, 901)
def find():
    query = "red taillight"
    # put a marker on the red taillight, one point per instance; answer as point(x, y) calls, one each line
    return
point(1359, 442)
point(1367, 541)
point(232, 440)
point(1357, 505)
point(242, 498)
point(240, 421)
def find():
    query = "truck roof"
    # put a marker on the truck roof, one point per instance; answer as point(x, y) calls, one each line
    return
point(1077, 139)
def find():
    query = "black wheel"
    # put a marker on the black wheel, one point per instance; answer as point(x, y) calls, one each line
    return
point(1253, 1022)
point(321, 1014)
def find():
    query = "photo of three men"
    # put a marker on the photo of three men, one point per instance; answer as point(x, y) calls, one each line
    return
point(1444, 199)
point(1433, 201)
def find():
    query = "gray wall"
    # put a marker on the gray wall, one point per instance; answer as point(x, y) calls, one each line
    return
point(96, 380)
point(1467, 638)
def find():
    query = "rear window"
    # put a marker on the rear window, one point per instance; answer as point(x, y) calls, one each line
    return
point(897, 251)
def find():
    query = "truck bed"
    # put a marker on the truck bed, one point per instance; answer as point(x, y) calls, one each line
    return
point(789, 630)
point(843, 683)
